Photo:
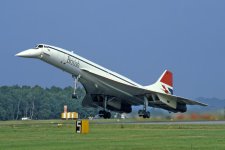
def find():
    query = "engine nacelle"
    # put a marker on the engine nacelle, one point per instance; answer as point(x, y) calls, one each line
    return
point(181, 107)
point(123, 108)
point(117, 105)
point(126, 108)
point(113, 104)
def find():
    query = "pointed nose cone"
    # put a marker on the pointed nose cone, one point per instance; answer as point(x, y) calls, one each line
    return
point(30, 53)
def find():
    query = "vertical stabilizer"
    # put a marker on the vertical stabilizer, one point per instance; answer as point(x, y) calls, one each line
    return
point(164, 84)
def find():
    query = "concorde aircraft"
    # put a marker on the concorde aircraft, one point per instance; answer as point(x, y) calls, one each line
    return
point(110, 90)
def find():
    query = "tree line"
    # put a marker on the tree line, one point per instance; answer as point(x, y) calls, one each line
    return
point(40, 103)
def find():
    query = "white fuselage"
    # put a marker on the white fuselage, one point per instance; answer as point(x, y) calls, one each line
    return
point(73, 63)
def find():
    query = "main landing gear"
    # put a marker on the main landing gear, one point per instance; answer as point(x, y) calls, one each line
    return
point(76, 80)
point(104, 113)
point(144, 113)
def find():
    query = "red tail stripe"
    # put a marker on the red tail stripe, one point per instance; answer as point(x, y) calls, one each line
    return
point(167, 78)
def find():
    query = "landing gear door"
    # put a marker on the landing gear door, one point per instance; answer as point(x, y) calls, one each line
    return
point(170, 101)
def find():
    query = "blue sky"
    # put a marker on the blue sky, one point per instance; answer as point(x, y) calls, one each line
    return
point(138, 39)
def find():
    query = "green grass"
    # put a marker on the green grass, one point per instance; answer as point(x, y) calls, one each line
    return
point(46, 135)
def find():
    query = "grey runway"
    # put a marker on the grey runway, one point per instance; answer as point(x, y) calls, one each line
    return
point(162, 122)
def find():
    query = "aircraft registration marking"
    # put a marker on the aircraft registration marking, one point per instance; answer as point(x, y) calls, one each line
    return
point(73, 62)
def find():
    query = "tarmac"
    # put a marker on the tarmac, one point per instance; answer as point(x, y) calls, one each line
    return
point(162, 122)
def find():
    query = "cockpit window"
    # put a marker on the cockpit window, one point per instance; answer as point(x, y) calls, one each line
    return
point(40, 46)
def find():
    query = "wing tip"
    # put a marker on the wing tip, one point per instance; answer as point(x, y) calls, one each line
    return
point(203, 104)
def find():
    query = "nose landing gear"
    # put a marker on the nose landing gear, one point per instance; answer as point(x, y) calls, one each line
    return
point(76, 80)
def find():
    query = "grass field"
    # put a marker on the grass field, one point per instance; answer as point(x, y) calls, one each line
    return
point(46, 135)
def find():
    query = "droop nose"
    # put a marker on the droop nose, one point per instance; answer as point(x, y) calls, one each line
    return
point(30, 53)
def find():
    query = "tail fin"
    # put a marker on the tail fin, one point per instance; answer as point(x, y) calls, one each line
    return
point(164, 84)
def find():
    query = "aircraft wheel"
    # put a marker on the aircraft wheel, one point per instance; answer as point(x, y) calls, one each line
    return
point(146, 114)
point(74, 96)
point(101, 113)
point(106, 115)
